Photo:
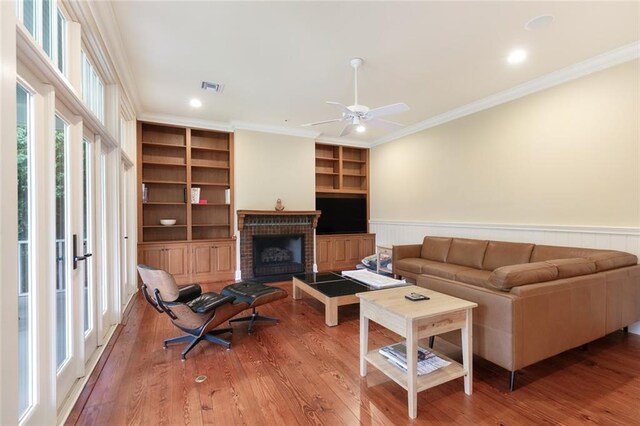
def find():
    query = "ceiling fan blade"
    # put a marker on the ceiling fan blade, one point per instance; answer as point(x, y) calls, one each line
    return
point(385, 124)
point(388, 110)
point(341, 106)
point(322, 122)
point(347, 129)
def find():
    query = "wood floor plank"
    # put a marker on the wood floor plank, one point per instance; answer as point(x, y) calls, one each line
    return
point(302, 372)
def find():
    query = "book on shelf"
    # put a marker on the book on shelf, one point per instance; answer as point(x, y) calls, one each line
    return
point(195, 195)
point(145, 193)
point(428, 362)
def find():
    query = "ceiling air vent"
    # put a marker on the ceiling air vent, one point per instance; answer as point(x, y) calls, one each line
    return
point(216, 87)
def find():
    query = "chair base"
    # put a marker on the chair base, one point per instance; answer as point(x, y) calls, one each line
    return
point(254, 317)
point(194, 340)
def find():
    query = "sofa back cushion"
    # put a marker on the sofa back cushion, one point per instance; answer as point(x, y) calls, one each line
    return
point(435, 248)
point(573, 267)
point(500, 253)
point(506, 277)
point(612, 259)
point(541, 253)
point(467, 252)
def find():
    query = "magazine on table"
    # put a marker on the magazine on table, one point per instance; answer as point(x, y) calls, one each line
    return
point(427, 360)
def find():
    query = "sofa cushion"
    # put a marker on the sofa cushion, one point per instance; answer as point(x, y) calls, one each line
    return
point(573, 267)
point(443, 270)
point(612, 259)
point(412, 264)
point(467, 252)
point(527, 273)
point(541, 253)
point(435, 248)
point(501, 253)
point(474, 277)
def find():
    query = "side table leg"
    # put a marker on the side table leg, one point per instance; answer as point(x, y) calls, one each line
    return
point(412, 369)
point(364, 342)
point(467, 352)
point(331, 311)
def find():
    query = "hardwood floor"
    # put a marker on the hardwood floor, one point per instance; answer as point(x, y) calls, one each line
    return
point(302, 372)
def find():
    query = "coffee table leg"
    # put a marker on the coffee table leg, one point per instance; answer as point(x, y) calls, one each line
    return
point(331, 311)
point(364, 342)
point(412, 369)
point(467, 352)
point(297, 293)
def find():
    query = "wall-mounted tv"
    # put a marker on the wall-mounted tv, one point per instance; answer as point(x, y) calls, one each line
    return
point(342, 215)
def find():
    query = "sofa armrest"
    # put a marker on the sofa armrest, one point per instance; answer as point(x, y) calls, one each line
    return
point(406, 251)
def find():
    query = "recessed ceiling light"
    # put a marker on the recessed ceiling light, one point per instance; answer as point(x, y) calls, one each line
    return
point(517, 56)
point(196, 103)
point(540, 22)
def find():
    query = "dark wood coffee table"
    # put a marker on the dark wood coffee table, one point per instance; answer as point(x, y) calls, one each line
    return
point(330, 288)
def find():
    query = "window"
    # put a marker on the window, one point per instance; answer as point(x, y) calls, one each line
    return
point(25, 248)
point(47, 27)
point(92, 88)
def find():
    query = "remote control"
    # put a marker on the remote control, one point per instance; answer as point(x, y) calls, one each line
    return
point(414, 297)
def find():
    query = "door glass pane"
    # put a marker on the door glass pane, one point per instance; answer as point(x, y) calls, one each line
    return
point(86, 240)
point(62, 315)
point(25, 295)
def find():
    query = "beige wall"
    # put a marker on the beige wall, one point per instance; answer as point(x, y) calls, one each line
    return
point(568, 155)
point(270, 166)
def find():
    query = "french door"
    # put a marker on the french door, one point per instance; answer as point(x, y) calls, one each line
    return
point(70, 255)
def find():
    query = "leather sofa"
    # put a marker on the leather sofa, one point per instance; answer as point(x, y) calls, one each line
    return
point(534, 301)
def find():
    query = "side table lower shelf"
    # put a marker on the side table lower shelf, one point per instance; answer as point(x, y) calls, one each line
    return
point(426, 381)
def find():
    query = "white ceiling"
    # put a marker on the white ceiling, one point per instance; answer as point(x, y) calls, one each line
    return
point(280, 61)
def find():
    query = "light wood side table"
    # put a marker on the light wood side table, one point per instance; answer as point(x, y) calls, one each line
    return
point(415, 321)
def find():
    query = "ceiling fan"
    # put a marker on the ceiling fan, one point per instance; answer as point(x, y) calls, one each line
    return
point(355, 116)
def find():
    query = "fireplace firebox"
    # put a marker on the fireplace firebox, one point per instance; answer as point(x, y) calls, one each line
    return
point(278, 255)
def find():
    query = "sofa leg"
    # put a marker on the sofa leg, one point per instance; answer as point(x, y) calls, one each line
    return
point(512, 381)
point(625, 329)
point(431, 340)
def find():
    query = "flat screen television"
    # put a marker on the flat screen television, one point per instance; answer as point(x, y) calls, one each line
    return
point(341, 215)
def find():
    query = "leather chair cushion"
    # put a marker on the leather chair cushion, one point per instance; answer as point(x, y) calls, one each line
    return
point(413, 265)
point(435, 248)
point(500, 253)
point(528, 273)
point(189, 292)
point(253, 293)
point(207, 302)
point(443, 270)
point(612, 260)
point(467, 252)
point(573, 267)
point(475, 277)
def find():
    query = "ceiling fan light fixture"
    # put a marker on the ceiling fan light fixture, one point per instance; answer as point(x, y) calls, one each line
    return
point(360, 128)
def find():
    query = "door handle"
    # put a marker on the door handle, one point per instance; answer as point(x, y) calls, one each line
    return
point(77, 258)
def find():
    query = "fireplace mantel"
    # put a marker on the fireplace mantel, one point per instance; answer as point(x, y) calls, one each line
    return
point(242, 214)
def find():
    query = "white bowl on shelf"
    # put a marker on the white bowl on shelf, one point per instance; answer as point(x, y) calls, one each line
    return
point(167, 222)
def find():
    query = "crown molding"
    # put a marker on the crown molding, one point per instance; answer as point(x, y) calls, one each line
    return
point(279, 130)
point(343, 141)
point(606, 60)
point(186, 122)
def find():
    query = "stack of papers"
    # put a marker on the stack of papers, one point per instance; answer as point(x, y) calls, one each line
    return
point(428, 362)
point(372, 279)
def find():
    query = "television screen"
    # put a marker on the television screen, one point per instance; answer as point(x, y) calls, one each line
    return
point(342, 215)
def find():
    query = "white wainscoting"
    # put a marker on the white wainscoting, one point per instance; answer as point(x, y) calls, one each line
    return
point(624, 239)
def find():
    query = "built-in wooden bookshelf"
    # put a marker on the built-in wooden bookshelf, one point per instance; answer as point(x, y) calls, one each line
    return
point(172, 161)
point(342, 172)
point(342, 169)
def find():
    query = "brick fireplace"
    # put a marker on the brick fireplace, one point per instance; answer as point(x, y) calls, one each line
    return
point(276, 244)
